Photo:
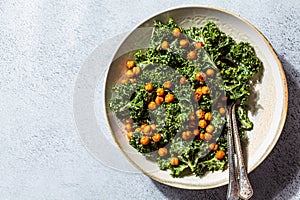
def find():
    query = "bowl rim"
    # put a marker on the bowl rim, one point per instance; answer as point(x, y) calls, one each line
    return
point(282, 74)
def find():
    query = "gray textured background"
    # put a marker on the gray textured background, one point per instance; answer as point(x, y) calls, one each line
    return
point(42, 47)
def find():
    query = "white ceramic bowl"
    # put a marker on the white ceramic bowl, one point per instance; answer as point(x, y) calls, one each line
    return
point(271, 95)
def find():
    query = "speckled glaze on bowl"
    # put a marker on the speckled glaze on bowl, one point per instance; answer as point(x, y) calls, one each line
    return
point(268, 101)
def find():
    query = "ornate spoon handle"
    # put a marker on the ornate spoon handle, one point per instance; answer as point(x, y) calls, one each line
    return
point(233, 191)
point(245, 188)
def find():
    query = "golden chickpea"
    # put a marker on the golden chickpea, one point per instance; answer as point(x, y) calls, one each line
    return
point(168, 84)
point(130, 64)
point(198, 91)
point(220, 154)
point(145, 140)
point(162, 151)
point(156, 137)
point(210, 128)
point(152, 105)
point(165, 45)
point(129, 135)
point(182, 80)
point(176, 32)
point(200, 114)
point(211, 146)
point(210, 72)
point(222, 110)
point(128, 127)
point(160, 92)
point(159, 100)
point(196, 132)
point(202, 136)
point(149, 87)
point(144, 125)
point(129, 73)
point(125, 80)
point(208, 116)
point(147, 130)
point(153, 127)
point(192, 55)
point(207, 136)
point(201, 77)
point(205, 90)
point(169, 98)
point(198, 45)
point(133, 80)
point(216, 147)
point(202, 123)
point(174, 161)
point(186, 135)
point(136, 71)
point(184, 43)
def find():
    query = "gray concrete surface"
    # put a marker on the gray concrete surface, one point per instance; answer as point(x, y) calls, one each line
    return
point(43, 44)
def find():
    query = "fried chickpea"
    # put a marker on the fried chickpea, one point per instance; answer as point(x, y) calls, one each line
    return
point(136, 71)
point(133, 80)
point(201, 77)
point(160, 92)
point(165, 45)
point(156, 137)
point(169, 98)
point(184, 43)
point(186, 135)
point(176, 32)
point(149, 87)
point(196, 132)
point(174, 161)
point(198, 91)
point(129, 135)
point(128, 127)
point(192, 55)
point(162, 151)
point(220, 154)
point(125, 80)
point(202, 136)
point(145, 140)
point(198, 45)
point(202, 123)
point(200, 114)
point(129, 73)
point(208, 116)
point(159, 100)
point(168, 84)
point(210, 72)
point(210, 128)
point(207, 136)
point(182, 80)
point(205, 90)
point(130, 64)
point(222, 110)
point(211, 146)
point(152, 105)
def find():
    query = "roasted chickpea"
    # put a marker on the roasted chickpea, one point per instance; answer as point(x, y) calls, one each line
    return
point(129, 135)
point(207, 136)
point(160, 92)
point(222, 110)
point(182, 80)
point(130, 64)
point(202, 123)
point(200, 114)
point(128, 127)
point(186, 135)
point(143, 125)
point(129, 73)
point(216, 147)
point(145, 140)
point(156, 137)
point(198, 45)
point(125, 80)
point(152, 105)
point(201, 77)
point(208, 116)
point(159, 100)
point(211, 146)
point(174, 161)
point(147, 130)
point(176, 32)
point(192, 55)
point(210, 72)
point(210, 128)
point(168, 84)
point(162, 151)
point(165, 45)
point(196, 132)
point(202, 136)
point(220, 154)
point(184, 43)
point(169, 98)
point(205, 90)
point(149, 87)
point(136, 71)
point(133, 80)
